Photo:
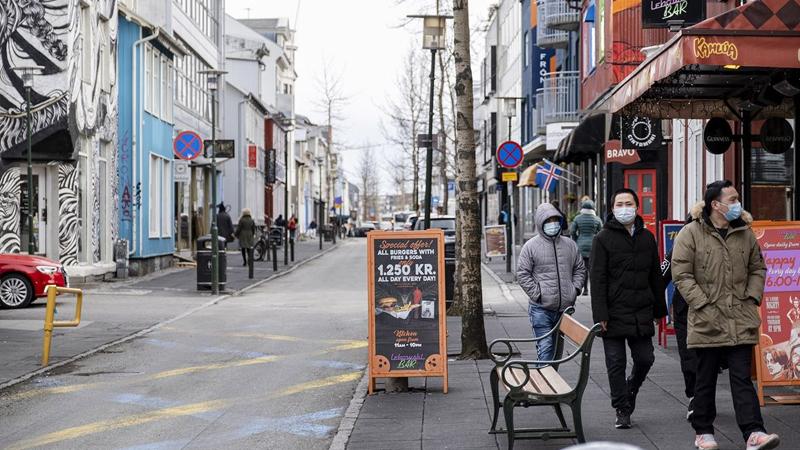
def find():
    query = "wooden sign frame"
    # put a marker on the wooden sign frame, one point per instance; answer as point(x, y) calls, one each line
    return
point(765, 341)
point(435, 364)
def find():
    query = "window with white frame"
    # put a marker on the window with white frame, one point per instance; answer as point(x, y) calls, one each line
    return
point(155, 196)
point(526, 50)
point(148, 76)
point(191, 85)
point(166, 204)
point(159, 84)
point(589, 42)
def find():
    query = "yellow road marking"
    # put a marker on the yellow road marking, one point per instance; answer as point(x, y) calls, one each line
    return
point(175, 411)
point(323, 382)
point(239, 363)
point(348, 345)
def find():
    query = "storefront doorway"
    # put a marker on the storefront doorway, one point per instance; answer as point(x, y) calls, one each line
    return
point(643, 182)
point(39, 210)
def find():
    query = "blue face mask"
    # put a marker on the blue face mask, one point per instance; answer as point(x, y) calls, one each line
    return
point(552, 228)
point(734, 211)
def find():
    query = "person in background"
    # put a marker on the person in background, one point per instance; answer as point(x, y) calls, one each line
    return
point(292, 227)
point(312, 229)
point(551, 271)
point(280, 221)
point(224, 225)
point(583, 230)
point(627, 298)
point(246, 233)
point(718, 268)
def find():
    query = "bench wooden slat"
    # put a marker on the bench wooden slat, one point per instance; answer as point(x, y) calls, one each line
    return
point(573, 329)
point(540, 384)
point(556, 382)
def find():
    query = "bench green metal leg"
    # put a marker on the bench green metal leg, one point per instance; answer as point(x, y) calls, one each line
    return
point(494, 381)
point(576, 417)
point(560, 415)
point(508, 411)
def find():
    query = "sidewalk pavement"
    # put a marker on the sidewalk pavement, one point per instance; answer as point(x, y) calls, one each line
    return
point(117, 309)
point(428, 419)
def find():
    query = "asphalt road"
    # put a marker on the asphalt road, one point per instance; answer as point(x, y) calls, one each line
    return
point(274, 367)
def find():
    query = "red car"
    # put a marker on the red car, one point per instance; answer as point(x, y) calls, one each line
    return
point(23, 278)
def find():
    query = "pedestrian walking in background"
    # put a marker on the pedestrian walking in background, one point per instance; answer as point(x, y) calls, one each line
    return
point(717, 266)
point(246, 233)
point(627, 298)
point(583, 230)
point(312, 229)
point(280, 221)
point(292, 226)
point(551, 271)
point(224, 225)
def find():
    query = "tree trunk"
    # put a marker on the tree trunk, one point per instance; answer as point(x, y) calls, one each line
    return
point(443, 144)
point(473, 334)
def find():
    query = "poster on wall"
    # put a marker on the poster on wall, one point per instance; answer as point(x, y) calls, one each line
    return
point(494, 237)
point(668, 233)
point(407, 320)
point(778, 352)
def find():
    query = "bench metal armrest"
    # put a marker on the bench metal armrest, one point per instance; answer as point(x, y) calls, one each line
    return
point(502, 360)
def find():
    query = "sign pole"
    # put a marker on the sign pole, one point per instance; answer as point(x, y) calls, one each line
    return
point(510, 262)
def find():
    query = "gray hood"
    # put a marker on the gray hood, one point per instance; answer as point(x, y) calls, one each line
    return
point(544, 212)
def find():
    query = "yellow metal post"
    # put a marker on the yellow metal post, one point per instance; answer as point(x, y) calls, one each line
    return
point(50, 323)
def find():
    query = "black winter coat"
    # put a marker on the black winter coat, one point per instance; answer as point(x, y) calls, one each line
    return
point(627, 288)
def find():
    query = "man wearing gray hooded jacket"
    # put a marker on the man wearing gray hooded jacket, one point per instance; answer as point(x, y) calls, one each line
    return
point(550, 270)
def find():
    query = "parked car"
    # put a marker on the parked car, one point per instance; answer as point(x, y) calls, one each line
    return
point(448, 224)
point(23, 278)
point(400, 219)
point(410, 222)
point(363, 228)
point(386, 225)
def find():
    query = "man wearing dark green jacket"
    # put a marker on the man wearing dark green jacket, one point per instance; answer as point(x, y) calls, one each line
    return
point(583, 230)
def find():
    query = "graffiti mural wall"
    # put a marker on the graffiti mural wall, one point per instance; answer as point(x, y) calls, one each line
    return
point(75, 94)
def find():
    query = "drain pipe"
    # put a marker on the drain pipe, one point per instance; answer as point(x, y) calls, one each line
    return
point(135, 128)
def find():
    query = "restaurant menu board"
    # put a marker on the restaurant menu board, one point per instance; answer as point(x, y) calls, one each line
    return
point(495, 239)
point(407, 305)
point(779, 345)
point(669, 231)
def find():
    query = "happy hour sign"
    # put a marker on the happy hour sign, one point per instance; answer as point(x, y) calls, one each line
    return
point(406, 305)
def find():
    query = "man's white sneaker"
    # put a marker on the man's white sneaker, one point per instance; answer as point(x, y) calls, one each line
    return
point(705, 442)
point(762, 441)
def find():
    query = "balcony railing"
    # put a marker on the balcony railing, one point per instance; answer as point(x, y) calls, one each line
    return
point(559, 15)
point(538, 114)
point(547, 37)
point(560, 91)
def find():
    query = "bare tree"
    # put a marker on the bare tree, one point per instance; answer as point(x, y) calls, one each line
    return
point(331, 101)
point(473, 334)
point(368, 181)
point(406, 117)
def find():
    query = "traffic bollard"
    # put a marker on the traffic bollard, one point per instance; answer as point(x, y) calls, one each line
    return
point(250, 263)
point(291, 248)
point(274, 258)
point(49, 318)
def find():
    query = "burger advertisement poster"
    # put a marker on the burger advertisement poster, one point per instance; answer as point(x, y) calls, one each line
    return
point(779, 346)
point(406, 304)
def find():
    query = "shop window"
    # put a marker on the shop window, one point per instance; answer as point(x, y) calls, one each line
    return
point(589, 43)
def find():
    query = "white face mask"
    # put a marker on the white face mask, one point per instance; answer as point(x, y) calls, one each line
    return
point(552, 228)
point(625, 215)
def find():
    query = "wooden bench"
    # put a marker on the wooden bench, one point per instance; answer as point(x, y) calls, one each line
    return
point(538, 383)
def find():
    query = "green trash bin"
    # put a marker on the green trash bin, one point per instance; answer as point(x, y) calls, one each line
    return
point(204, 263)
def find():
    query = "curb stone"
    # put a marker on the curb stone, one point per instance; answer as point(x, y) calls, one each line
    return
point(348, 422)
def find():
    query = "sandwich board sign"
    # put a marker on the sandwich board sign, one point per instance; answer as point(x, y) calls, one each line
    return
point(406, 305)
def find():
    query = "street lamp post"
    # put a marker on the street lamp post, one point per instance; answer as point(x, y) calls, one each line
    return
point(28, 73)
point(433, 38)
point(213, 78)
point(510, 106)
point(321, 208)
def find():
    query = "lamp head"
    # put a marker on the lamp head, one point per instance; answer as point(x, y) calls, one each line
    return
point(27, 74)
point(212, 78)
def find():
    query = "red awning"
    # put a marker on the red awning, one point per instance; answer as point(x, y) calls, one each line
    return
point(703, 68)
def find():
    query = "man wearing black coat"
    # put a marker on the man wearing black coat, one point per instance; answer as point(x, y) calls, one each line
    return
point(627, 297)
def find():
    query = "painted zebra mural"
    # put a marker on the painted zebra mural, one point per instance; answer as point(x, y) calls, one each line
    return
point(68, 214)
point(34, 32)
point(9, 211)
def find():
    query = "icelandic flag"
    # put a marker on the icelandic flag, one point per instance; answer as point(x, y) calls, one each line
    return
point(547, 176)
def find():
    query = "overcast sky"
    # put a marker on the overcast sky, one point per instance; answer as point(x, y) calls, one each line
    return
point(361, 39)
